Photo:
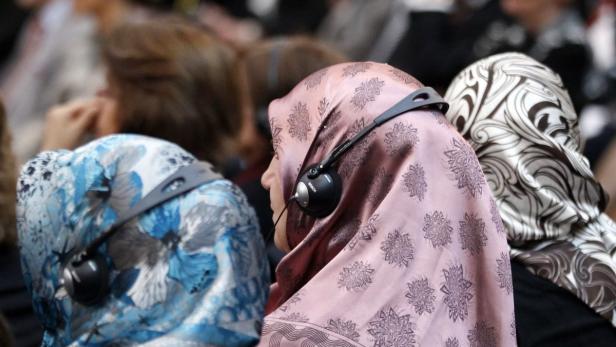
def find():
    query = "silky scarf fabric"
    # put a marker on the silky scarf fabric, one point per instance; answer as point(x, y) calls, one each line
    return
point(520, 120)
point(190, 272)
point(412, 255)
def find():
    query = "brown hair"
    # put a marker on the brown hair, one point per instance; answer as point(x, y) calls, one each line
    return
point(297, 57)
point(269, 70)
point(174, 81)
point(8, 182)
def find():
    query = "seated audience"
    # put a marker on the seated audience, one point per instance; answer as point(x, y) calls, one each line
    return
point(455, 27)
point(550, 31)
point(191, 271)
point(167, 79)
point(411, 254)
point(518, 117)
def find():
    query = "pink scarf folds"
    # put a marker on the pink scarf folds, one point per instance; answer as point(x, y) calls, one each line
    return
point(414, 254)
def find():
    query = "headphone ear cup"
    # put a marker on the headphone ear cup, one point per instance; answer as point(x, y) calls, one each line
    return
point(87, 281)
point(319, 196)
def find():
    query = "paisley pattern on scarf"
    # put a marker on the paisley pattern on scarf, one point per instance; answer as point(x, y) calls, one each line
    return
point(519, 119)
point(190, 272)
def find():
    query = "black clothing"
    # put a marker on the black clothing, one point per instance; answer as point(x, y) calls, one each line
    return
point(12, 19)
point(438, 45)
point(547, 315)
point(15, 302)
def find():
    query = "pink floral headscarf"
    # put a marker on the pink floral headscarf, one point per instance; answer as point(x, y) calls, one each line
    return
point(414, 254)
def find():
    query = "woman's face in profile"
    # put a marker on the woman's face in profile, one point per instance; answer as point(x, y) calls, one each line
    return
point(272, 182)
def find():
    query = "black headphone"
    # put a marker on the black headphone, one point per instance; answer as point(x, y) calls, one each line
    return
point(319, 188)
point(86, 274)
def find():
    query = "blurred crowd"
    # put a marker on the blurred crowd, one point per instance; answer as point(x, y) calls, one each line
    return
point(202, 74)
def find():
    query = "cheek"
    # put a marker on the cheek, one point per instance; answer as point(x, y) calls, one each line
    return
point(280, 236)
point(271, 181)
point(107, 122)
point(276, 194)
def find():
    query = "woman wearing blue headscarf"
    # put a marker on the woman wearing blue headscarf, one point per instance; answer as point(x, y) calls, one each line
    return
point(189, 272)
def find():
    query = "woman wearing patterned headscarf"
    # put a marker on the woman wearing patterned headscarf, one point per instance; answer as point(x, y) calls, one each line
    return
point(412, 255)
point(518, 117)
point(190, 272)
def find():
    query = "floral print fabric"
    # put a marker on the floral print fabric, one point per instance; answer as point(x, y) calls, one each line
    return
point(412, 255)
point(519, 119)
point(190, 272)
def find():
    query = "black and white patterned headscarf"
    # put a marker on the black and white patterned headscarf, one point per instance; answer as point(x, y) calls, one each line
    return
point(518, 117)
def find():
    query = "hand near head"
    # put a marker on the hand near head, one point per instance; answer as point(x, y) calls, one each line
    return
point(67, 125)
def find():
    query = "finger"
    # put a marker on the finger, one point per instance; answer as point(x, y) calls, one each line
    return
point(69, 109)
point(86, 118)
point(86, 106)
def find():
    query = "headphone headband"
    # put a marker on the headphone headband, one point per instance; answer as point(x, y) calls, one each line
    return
point(425, 97)
point(319, 188)
point(86, 275)
point(183, 180)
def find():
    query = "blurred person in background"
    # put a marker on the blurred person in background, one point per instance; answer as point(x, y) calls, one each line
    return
point(109, 13)
point(518, 117)
point(605, 170)
point(267, 71)
point(12, 18)
point(600, 120)
point(54, 61)
point(462, 31)
point(166, 78)
point(446, 29)
point(189, 271)
point(297, 16)
point(550, 31)
point(15, 303)
point(353, 26)
point(246, 21)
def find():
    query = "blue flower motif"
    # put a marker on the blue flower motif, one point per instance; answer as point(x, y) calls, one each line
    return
point(162, 220)
point(194, 271)
point(162, 264)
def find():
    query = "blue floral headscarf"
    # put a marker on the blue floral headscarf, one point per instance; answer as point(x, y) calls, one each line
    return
point(190, 272)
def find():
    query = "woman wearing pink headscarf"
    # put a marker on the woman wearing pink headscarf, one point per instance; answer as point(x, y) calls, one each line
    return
point(413, 254)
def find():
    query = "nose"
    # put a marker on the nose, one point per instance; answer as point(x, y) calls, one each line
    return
point(265, 179)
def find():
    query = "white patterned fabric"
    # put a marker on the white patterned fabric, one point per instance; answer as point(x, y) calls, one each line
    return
point(516, 114)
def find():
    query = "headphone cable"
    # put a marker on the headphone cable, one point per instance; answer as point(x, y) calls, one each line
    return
point(272, 231)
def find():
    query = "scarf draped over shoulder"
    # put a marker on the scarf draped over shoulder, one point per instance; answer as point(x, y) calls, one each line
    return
point(189, 272)
point(519, 119)
point(414, 254)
